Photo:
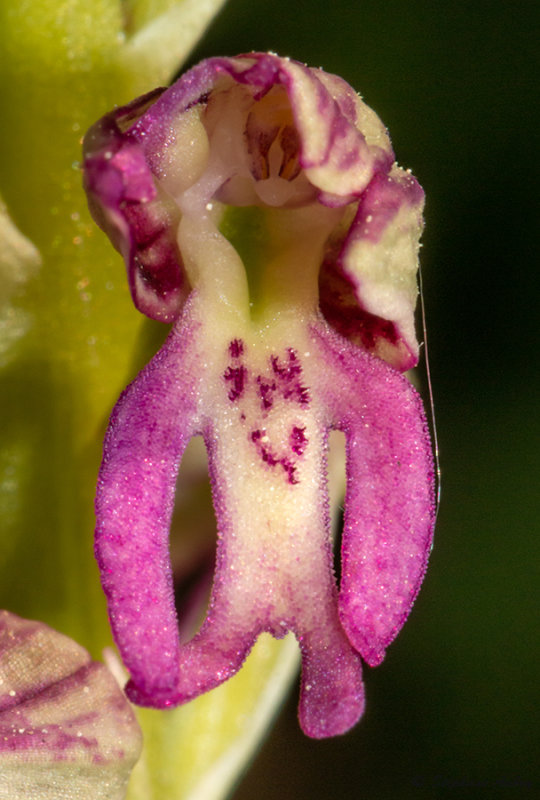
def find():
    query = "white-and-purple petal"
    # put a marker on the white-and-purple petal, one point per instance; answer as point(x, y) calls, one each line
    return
point(66, 729)
point(139, 218)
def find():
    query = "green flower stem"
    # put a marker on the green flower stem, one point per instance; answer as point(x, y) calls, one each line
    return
point(57, 73)
point(62, 65)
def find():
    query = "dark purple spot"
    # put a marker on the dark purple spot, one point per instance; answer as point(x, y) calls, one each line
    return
point(298, 440)
point(237, 377)
point(236, 348)
point(266, 391)
point(288, 375)
point(297, 392)
point(268, 457)
point(290, 470)
point(287, 371)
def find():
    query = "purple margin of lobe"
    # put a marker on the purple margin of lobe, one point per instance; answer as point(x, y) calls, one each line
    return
point(389, 503)
point(123, 200)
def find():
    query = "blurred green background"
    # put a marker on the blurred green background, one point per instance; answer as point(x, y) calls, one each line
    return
point(453, 710)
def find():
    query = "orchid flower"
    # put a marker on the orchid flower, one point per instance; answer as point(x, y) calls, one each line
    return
point(259, 208)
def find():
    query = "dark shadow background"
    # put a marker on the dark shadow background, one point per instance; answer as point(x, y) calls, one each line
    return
point(452, 712)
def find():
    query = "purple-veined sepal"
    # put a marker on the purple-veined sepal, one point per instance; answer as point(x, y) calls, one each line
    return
point(66, 729)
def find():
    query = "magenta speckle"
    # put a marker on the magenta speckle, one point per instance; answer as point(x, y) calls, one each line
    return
point(288, 371)
point(266, 392)
point(298, 440)
point(236, 348)
point(283, 383)
point(237, 377)
point(290, 470)
point(268, 456)
point(302, 395)
point(288, 377)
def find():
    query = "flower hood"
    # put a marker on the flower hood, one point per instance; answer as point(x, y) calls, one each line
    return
point(259, 208)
